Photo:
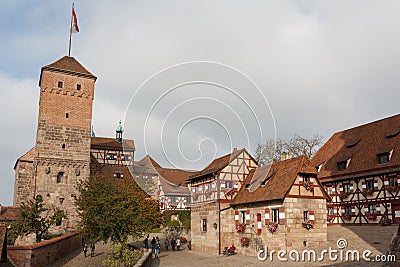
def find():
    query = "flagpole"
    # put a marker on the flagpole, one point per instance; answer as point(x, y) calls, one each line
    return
point(70, 33)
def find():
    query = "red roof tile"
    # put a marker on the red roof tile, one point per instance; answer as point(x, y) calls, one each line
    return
point(112, 144)
point(218, 164)
point(9, 213)
point(272, 182)
point(69, 64)
point(360, 145)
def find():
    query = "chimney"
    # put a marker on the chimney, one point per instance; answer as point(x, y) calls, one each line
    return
point(285, 156)
point(234, 149)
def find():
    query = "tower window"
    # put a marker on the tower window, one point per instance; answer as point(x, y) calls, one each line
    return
point(63, 146)
point(60, 84)
point(118, 175)
point(60, 177)
point(78, 87)
point(67, 115)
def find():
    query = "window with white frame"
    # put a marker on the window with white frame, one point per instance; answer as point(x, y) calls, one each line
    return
point(275, 215)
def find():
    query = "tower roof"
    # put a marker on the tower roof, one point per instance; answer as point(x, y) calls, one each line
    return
point(68, 65)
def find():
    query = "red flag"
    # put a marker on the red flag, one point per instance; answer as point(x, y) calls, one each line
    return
point(74, 24)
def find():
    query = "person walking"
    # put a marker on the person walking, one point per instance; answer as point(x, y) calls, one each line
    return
point(178, 243)
point(85, 249)
point(173, 243)
point(153, 243)
point(92, 249)
point(157, 248)
point(166, 243)
point(146, 242)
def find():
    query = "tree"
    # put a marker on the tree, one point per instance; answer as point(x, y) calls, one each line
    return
point(36, 218)
point(272, 150)
point(113, 209)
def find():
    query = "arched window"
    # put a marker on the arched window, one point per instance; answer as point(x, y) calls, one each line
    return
point(60, 177)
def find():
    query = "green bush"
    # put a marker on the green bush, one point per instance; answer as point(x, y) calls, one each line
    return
point(184, 217)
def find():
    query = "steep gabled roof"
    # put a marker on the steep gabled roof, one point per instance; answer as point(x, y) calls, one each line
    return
point(27, 157)
point(218, 164)
point(359, 147)
point(112, 144)
point(174, 177)
point(272, 182)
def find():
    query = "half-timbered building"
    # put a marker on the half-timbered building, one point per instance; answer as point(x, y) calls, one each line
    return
point(170, 187)
point(281, 206)
point(360, 169)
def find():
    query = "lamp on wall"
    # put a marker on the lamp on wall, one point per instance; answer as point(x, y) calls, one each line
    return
point(215, 226)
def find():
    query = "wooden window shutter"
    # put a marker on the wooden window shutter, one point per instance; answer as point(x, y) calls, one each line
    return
point(247, 217)
point(311, 215)
point(236, 217)
point(353, 210)
point(386, 182)
point(375, 184)
point(282, 219)
point(267, 216)
point(259, 224)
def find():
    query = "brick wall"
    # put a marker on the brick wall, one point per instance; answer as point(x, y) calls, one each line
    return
point(44, 253)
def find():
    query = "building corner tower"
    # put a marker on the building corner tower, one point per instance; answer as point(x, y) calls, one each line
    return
point(62, 152)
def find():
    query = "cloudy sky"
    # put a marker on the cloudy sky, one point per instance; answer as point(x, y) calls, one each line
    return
point(253, 69)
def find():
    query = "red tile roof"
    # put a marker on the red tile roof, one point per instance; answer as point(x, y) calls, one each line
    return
point(112, 144)
point(361, 145)
point(9, 213)
point(272, 182)
point(69, 64)
point(218, 164)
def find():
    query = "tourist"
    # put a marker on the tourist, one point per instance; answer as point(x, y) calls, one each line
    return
point(85, 249)
point(166, 243)
point(92, 248)
point(173, 243)
point(153, 243)
point(157, 239)
point(178, 243)
point(157, 249)
point(146, 242)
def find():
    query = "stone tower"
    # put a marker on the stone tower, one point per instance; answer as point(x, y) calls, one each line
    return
point(62, 152)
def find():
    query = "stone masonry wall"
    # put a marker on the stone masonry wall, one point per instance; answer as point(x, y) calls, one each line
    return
point(63, 140)
point(296, 233)
point(44, 253)
point(23, 182)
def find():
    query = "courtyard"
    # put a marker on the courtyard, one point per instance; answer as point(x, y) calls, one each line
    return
point(361, 238)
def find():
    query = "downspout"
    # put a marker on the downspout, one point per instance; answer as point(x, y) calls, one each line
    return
point(219, 215)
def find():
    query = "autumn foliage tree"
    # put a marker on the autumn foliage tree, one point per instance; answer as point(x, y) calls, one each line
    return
point(36, 218)
point(114, 209)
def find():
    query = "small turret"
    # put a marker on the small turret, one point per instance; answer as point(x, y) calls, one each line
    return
point(118, 133)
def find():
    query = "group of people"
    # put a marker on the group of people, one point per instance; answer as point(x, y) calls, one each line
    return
point(92, 249)
point(175, 244)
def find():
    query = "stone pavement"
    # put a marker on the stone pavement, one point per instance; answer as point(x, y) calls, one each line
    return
point(373, 238)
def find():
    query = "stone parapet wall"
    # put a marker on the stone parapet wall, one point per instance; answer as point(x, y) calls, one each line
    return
point(45, 252)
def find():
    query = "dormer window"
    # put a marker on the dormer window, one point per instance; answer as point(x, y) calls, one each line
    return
point(383, 158)
point(342, 165)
